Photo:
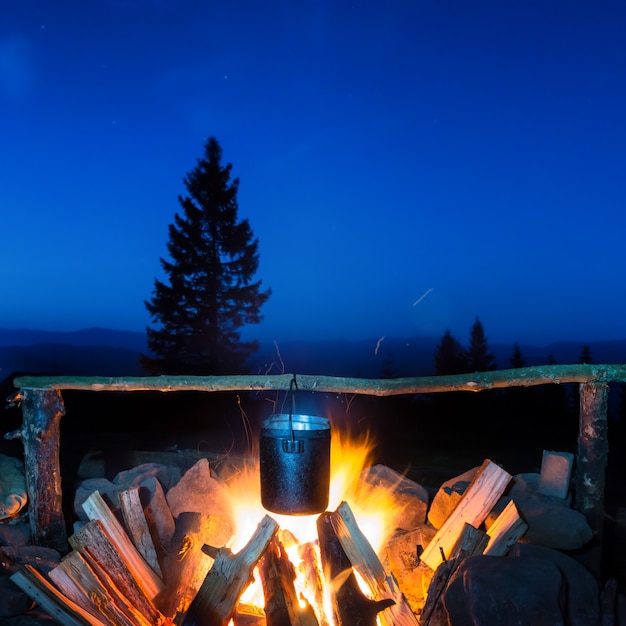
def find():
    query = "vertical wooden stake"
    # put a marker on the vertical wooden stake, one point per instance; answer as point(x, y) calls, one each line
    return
point(591, 461)
point(42, 410)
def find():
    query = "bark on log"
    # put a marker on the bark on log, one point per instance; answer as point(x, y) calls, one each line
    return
point(42, 410)
point(282, 607)
point(186, 565)
point(217, 598)
point(350, 606)
point(476, 381)
point(591, 462)
point(102, 555)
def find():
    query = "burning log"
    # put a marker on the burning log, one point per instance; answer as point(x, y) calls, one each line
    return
point(366, 562)
point(186, 564)
point(350, 606)
point(282, 607)
point(217, 598)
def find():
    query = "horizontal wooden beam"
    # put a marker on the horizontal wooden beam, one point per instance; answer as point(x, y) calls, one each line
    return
point(478, 381)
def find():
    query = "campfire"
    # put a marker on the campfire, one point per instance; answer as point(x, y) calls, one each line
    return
point(237, 564)
point(202, 550)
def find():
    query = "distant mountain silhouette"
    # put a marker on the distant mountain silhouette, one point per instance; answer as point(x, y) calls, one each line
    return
point(107, 352)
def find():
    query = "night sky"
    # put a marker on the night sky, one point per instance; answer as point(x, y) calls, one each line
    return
point(406, 165)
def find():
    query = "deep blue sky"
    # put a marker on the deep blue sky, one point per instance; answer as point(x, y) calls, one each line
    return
point(472, 154)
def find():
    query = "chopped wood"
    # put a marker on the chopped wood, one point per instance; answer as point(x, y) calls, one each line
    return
point(96, 547)
point(97, 509)
point(62, 609)
point(249, 615)
point(282, 606)
point(350, 606)
point(137, 527)
point(483, 492)
point(365, 560)
point(186, 564)
point(472, 541)
point(507, 528)
point(216, 601)
point(95, 593)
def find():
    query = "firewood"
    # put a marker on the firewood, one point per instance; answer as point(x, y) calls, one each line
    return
point(137, 527)
point(472, 541)
point(505, 531)
point(97, 509)
point(42, 591)
point(215, 602)
point(186, 565)
point(483, 492)
point(96, 547)
point(98, 595)
point(249, 615)
point(350, 606)
point(282, 607)
point(366, 562)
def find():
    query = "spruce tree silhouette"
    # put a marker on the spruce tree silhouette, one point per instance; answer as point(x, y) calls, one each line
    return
point(210, 293)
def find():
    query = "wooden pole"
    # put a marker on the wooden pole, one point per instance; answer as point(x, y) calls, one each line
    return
point(42, 410)
point(591, 461)
point(477, 381)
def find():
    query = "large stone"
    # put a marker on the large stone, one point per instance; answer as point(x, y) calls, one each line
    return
point(448, 496)
point(110, 490)
point(197, 491)
point(524, 591)
point(583, 593)
point(401, 556)
point(13, 601)
point(12, 486)
point(551, 521)
point(409, 496)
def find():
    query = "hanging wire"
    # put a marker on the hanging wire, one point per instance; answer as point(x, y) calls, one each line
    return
point(293, 383)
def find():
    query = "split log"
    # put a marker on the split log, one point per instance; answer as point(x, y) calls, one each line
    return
point(282, 606)
point(98, 510)
point(366, 562)
point(483, 492)
point(102, 555)
point(137, 527)
point(350, 606)
point(216, 600)
point(471, 542)
point(42, 591)
point(80, 583)
point(186, 564)
point(507, 528)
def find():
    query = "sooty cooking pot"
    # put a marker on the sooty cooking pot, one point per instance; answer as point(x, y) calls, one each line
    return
point(295, 464)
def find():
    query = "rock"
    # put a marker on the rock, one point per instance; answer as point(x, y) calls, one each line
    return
point(401, 556)
point(408, 495)
point(12, 486)
point(109, 490)
point(15, 532)
point(197, 491)
point(523, 591)
point(583, 593)
point(551, 522)
point(13, 601)
point(448, 496)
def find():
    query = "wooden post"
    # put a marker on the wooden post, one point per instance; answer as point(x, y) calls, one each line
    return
point(591, 461)
point(42, 410)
